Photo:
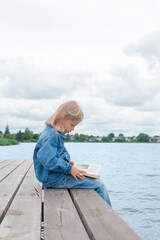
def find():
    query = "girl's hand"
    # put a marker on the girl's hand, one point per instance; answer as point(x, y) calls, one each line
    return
point(75, 172)
point(72, 163)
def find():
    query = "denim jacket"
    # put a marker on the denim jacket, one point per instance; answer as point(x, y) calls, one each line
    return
point(50, 157)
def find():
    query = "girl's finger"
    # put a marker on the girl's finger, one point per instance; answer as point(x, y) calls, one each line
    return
point(81, 176)
point(76, 178)
point(83, 172)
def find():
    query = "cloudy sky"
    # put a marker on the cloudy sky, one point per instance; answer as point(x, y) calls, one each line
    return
point(105, 54)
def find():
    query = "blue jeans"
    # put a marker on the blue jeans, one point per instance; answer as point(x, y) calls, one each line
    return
point(87, 183)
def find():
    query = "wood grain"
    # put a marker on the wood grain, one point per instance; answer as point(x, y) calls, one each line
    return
point(100, 220)
point(23, 219)
point(61, 220)
point(5, 163)
point(9, 169)
point(10, 185)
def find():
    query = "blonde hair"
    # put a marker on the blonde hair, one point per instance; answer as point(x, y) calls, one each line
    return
point(69, 111)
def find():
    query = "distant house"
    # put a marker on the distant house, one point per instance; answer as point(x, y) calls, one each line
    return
point(72, 138)
point(92, 139)
point(121, 136)
point(98, 138)
point(135, 138)
point(155, 139)
point(128, 139)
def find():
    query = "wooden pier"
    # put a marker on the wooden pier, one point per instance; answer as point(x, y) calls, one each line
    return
point(66, 214)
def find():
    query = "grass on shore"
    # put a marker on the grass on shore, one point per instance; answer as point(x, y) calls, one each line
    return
point(7, 141)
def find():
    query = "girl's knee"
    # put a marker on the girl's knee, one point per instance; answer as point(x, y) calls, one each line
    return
point(99, 184)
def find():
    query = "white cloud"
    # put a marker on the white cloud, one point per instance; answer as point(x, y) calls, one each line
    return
point(120, 100)
point(148, 48)
point(124, 86)
point(104, 54)
point(24, 79)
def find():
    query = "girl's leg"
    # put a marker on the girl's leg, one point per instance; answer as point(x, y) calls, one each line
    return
point(87, 183)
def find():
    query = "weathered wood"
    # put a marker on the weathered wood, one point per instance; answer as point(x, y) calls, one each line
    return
point(23, 219)
point(10, 185)
point(1, 161)
point(9, 169)
point(100, 220)
point(61, 220)
point(79, 214)
point(5, 163)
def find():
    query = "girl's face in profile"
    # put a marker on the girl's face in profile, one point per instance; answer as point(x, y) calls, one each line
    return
point(69, 125)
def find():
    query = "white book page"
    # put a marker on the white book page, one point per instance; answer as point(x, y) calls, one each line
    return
point(89, 168)
point(94, 169)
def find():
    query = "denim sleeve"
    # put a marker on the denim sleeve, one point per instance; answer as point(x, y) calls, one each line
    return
point(47, 155)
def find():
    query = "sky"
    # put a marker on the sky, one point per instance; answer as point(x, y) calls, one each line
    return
point(103, 54)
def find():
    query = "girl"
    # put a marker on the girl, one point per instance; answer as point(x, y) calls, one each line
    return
point(52, 161)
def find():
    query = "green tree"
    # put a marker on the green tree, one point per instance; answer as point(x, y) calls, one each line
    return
point(121, 135)
point(76, 137)
point(111, 135)
point(7, 132)
point(142, 137)
point(19, 136)
point(106, 139)
point(82, 137)
point(120, 139)
point(27, 134)
point(13, 136)
point(35, 136)
point(67, 138)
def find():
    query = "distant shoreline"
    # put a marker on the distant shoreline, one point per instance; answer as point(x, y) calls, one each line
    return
point(30, 136)
point(11, 142)
point(8, 142)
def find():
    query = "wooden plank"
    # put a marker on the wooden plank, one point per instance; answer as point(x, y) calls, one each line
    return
point(23, 219)
point(1, 161)
point(100, 220)
point(9, 169)
point(6, 163)
point(61, 220)
point(10, 185)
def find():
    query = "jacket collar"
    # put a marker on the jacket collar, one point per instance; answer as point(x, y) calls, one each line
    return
point(62, 135)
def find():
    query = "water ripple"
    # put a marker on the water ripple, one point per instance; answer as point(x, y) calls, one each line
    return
point(131, 173)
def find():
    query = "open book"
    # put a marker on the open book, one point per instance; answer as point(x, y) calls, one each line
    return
point(92, 170)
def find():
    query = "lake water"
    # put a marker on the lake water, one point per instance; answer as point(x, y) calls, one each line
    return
point(131, 173)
